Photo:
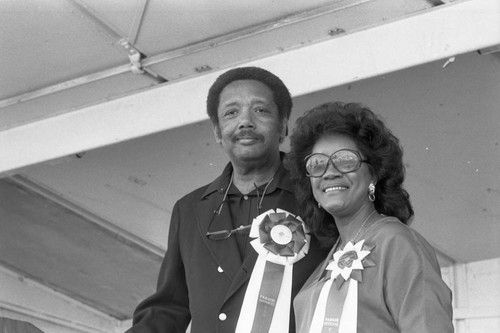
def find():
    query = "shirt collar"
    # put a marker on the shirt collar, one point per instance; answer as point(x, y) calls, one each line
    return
point(281, 180)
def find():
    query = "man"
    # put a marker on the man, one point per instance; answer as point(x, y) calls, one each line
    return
point(208, 265)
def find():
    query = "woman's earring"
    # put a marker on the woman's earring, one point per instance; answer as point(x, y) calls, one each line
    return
point(371, 192)
point(319, 205)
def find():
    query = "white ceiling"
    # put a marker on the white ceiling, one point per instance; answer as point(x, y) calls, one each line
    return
point(94, 155)
point(73, 49)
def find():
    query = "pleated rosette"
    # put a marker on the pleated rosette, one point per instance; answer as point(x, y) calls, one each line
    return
point(281, 239)
point(337, 306)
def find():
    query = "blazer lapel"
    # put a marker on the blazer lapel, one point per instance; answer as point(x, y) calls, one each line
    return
point(244, 273)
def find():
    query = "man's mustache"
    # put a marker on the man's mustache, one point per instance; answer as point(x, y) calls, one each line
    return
point(247, 134)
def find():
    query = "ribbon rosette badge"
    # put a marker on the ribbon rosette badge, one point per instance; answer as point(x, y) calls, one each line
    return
point(282, 234)
point(280, 240)
point(348, 262)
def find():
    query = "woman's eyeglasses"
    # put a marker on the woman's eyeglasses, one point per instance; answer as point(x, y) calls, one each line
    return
point(343, 160)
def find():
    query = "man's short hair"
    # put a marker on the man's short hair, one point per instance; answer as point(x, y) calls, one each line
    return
point(280, 92)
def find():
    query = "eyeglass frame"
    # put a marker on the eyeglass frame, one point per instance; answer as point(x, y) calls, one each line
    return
point(358, 155)
point(224, 234)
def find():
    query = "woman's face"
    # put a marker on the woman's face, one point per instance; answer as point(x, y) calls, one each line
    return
point(340, 194)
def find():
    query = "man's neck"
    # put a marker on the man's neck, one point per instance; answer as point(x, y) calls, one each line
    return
point(246, 176)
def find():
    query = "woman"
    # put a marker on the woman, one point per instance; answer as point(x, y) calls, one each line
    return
point(381, 275)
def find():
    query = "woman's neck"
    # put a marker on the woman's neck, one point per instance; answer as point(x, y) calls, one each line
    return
point(352, 226)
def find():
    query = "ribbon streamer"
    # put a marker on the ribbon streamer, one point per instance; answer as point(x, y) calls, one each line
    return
point(268, 296)
point(266, 306)
point(336, 309)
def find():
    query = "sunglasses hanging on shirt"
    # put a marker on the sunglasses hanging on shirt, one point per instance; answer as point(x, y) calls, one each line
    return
point(225, 234)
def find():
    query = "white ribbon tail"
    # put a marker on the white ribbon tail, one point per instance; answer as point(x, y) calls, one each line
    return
point(319, 312)
point(247, 314)
point(281, 316)
point(349, 320)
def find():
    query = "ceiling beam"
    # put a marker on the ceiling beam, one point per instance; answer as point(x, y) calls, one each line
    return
point(141, 62)
point(444, 31)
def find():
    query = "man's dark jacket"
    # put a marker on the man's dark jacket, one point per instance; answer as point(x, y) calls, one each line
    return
point(204, 280)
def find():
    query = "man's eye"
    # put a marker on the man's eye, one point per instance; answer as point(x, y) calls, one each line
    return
point(260, 110)
point(230, 112)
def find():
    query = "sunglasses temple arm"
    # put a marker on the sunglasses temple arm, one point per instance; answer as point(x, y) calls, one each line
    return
point(243, 227)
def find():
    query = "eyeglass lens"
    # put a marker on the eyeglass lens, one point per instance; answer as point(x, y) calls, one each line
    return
point(343, 160)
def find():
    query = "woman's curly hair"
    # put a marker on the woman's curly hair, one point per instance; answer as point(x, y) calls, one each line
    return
point(374, 141)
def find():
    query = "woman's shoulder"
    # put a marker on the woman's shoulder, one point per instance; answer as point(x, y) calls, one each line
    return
point(390, 229)
point(394, 238)
point(388, 224)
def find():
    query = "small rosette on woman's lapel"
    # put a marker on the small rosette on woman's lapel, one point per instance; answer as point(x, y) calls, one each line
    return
point(336, 308)
point(350, 262)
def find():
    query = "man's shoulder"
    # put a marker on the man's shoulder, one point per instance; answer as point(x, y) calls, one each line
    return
point(200, 192)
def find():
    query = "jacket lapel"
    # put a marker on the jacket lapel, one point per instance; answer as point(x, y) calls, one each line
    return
point(244, 272)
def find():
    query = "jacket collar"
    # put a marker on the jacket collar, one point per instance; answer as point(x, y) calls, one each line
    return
point(282, 180)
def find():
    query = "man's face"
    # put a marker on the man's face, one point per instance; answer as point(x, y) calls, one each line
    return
point(249, 125)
